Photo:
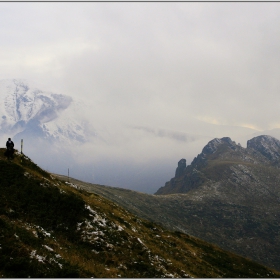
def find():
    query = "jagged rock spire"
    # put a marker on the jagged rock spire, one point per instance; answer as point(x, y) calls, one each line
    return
point(181, 167)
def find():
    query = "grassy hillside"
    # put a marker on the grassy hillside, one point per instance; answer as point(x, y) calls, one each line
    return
point(50, 228)
point(245, 230)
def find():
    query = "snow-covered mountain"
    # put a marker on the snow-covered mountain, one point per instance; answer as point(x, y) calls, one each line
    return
point(27, 112)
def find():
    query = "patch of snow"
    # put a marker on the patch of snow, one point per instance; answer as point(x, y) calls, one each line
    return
point(140, 241)
point(26, 174)
point(110, 246)
point(73, 185)
point(49, 248)
point(90, 209)
point(38, 257)
point(120, 228)
point(133, 229)
point(55, 261)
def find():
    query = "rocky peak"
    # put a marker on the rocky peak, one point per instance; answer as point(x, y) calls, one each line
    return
point(181, 167)
point(213, 145)
point(267, 145)
point(262, 150)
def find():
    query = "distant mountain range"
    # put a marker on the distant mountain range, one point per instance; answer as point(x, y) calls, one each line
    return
point(30, 113)
point(228, 195)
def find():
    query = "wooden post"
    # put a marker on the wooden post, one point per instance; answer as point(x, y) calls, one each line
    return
point(21, 146)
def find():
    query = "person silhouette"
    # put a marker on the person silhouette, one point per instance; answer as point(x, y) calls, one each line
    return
point(10, 148)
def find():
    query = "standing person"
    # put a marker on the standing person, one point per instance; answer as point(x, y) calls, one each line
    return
point(10, 148)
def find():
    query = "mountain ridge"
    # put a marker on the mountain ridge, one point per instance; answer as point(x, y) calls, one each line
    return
point(262, 149)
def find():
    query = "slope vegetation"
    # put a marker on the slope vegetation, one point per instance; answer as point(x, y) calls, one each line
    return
point(52, 228)
point(228, 196)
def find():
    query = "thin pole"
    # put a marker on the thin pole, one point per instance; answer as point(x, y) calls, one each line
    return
point(68, 175)
point(21, 146)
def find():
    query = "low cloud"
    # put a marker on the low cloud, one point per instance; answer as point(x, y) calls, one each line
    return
point(178, 136)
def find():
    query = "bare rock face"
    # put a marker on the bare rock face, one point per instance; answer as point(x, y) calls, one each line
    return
point(181, 167)
point(266, 145)
point(214, 144)
point(261, 150)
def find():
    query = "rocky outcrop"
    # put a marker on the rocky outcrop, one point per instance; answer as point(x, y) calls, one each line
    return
point(263, 150)
point(181, 167)
point(214, 144)
point(268, 146)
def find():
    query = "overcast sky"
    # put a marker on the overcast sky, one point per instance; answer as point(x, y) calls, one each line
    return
point(217, 62)
point(151, 66)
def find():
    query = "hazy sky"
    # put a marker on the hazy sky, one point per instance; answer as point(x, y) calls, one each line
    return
point(151, 66)
point(217, 62)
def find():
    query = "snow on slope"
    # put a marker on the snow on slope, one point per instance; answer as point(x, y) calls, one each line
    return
point(25, 109)
point(22, 103)
point(70, 126)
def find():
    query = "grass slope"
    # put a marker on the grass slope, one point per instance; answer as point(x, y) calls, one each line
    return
point(229, 198)
point(50, 228)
